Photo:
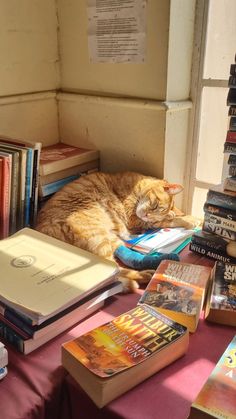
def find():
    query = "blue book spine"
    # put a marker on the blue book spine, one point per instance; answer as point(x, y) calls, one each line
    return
point(11, 337)
point(53, 187)
point(28, 185)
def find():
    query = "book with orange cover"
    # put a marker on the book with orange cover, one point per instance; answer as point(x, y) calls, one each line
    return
point(217, 398)
point(113, 358)
point(178, 290)
point(61, 156)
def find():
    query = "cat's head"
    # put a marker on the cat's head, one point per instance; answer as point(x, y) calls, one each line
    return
point(156, 202)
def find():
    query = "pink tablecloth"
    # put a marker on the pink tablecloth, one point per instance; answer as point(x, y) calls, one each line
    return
point(38, 387)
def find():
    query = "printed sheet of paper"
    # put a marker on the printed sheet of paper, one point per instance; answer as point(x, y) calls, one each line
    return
point(117, 31)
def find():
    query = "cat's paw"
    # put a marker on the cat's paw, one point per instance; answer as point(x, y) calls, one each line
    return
point(129, 285)
point(190, 222)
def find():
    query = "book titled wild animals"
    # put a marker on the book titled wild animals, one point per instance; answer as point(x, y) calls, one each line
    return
point(113, 358)
point(221, 304)
point(217, 398)
point(178, 289)
point(41, 276)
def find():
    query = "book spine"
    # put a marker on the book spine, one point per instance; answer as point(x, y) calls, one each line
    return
point(220, 221)
point(231, 137)
point(221, 199)
point(13, 318)
point(232, 159)
point(219, 212)
point(218, 230)
point(232, 110)
point(231, 97)
point(232, 170)
point(35, 185)
point(28, 187)
point(230, 184)
point(210, 253)
point(11, 337)
point(229, 147)
point(232, 80)
point(15, 328)
point(6, 193)
point(232, 123)
point(233, 69)
point(53, 187)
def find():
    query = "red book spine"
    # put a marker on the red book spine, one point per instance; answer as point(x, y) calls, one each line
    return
point(231, 137)
point(5, 197)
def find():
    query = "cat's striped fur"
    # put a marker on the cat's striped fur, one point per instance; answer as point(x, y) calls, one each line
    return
point(98, 210)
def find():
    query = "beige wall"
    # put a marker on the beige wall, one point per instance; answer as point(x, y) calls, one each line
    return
point(33, 117)
point(129, 132)
point(136, 114)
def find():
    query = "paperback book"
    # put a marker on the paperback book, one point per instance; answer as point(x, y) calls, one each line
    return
point(216, 399)
point(221, 304)
point(42, 276)
point(162, 240)
point(115, 357)
point(178, 289)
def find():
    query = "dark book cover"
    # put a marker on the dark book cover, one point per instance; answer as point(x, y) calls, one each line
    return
point(221, 304)
point(220, 221)
point(232, 170)
point(220, 211)
point(216, 195)
point(233, 69)
point(230, 147)
point(214, 242)
point(232, 81)
point(210, 252)
point(219, 230)
point(232, 110)
point(231, 97)
point(232, 159)
point(232, 123)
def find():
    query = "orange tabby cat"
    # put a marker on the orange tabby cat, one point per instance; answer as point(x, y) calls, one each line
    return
point(97, 211)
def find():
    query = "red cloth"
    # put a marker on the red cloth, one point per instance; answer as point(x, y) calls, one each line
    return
point(37, 386)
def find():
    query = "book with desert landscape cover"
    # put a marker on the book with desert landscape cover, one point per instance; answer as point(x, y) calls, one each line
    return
point(221, 301)
point(113, 358)
point(178, 290)
point(217, 397)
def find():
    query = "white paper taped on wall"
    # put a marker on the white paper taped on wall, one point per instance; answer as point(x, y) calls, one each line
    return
point(117, 31)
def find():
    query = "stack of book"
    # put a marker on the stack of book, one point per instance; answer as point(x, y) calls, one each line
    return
point(217, 239)
point(47, 286)
point(62, 163)
point(19, 167)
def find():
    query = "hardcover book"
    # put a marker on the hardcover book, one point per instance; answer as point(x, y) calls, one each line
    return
point(232, 170)
point(220, 211)
point(221, 303)
point(61, 156)
point(41, 275)
point(230, 146)
point(178, 289)
point(214, 242)
point(210, 252)
point(216, 399)
point(216, 195)
point(220, 221)
point(115, 357)
point(214, 228)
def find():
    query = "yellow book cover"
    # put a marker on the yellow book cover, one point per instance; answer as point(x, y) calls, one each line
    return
point(114, 357)
point(41, 275)
point(217, 398)
point(178, 289)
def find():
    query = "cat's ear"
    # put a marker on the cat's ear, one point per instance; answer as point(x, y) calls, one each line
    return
point(173, 188)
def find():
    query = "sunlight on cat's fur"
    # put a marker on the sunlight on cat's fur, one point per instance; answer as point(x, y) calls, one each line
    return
point(97, 211)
